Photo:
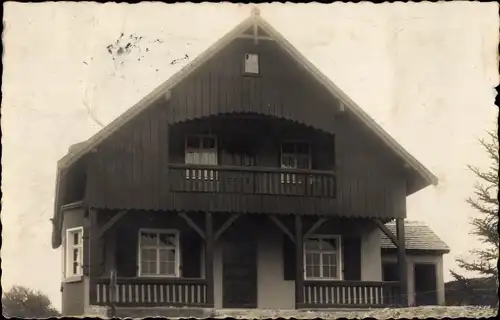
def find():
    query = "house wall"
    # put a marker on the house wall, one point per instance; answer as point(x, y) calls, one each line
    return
point(73, 289)
point(412, 259)
point(371, 269)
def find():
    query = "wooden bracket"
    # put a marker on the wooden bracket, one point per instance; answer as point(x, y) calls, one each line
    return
point(226, 225)
point(262, 38)
point(315, 227)
point(114, 219)
point(387, 232)
point(192, 224)
point(283, 228)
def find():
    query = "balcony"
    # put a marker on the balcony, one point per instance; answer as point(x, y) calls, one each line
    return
point(350, 294)
point(251, 189)
point(135, 292)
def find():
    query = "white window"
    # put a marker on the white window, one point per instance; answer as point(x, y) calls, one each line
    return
point(202, 150)
point(322, 258)
point(252, 63)
point(294, 155)
point(159, 253)
point(74, 252)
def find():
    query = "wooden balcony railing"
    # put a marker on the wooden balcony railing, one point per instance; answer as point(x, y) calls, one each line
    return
point(151, 292)
point(251, 180)
point(363, 294)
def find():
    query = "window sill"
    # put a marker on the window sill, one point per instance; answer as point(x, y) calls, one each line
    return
point(157, 277)
point(251, 75)
point(322, 279)
point(73, 279)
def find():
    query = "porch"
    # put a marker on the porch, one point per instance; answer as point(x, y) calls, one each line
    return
point(140, 292)
point(248, 261)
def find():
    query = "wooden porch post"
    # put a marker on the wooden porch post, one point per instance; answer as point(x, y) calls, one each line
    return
point(403, 265)
point(209, 258)
point(299, 277)
point(110, 258)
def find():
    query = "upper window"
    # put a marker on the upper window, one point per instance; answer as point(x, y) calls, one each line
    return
point(294, 155)
point(322, 257)
point(159, 253)
point(74, 252)
point(251, 63)
point(201, 149)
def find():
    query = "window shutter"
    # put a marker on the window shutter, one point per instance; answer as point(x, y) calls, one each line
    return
point(190, 246)
point(86, 251)
point(288, 259)
point(351, 247)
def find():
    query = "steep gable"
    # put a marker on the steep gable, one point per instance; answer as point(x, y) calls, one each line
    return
point(287, 88)
point(256, 22)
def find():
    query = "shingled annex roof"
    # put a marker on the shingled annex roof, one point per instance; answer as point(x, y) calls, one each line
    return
point(418, 236)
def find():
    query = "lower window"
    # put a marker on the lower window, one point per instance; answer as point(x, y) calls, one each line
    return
point(159, 253)
point(74, 252)
point(322, 257)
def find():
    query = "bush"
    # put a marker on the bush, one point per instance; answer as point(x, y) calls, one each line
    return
point(22, 302)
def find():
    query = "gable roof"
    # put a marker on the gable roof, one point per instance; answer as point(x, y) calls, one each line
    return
point(255, 20)
point(418, 236)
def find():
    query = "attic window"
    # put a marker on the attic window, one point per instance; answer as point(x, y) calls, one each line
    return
point(251, 63)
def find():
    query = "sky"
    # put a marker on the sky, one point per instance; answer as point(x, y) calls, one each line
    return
point(425, 72)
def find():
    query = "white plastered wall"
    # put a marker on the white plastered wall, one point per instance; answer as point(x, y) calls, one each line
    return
point(437, 260)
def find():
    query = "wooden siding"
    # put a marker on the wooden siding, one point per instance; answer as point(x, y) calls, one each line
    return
point(282, 89)
point(370, 180)
point(130, 169)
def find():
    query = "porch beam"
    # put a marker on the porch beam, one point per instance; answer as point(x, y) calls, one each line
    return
point(248, 36)
point(315, 227)
point(387, 232)
point(114, 219)
point(299, 260)
point(402, 262)
point(283, 227)
point(209, 258)
point(226, 225)
point(192, 224)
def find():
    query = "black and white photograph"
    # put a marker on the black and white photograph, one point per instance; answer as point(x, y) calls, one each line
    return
point(250, 161)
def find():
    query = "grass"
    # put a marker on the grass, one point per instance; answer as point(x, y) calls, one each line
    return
point(416, 312)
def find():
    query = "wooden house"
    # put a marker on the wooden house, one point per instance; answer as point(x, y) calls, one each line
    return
point(246, 180)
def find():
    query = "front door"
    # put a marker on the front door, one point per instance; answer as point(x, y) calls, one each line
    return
point(239, 273)
point(425, 284)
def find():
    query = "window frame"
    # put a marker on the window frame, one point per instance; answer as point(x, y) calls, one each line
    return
point(295, 155)
point(176, 233)
point(339, 253)
point(68, 253)
point(248, 73)
point(206, 174)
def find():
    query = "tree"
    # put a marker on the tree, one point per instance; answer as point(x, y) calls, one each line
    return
point(22, 302)
point(485, 224)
